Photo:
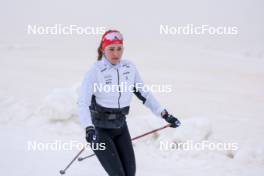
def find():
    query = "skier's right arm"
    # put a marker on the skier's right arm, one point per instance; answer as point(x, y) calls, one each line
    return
point(85, 96)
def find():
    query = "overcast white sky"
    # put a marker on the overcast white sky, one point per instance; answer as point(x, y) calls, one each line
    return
point(138, 20)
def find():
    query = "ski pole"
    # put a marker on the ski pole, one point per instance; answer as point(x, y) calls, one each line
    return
point(135, 138)
point(78, 154)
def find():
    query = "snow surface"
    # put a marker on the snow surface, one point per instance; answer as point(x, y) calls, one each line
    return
point(213, 112)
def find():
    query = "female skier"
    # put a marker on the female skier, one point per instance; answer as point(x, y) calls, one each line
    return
point(103, 113)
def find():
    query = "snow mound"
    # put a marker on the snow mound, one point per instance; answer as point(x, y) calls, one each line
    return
point(195, 129)
point(60, 105)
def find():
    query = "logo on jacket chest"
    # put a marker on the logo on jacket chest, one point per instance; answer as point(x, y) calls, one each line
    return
point(126, 75)
point(113, 78)
point(108, 79)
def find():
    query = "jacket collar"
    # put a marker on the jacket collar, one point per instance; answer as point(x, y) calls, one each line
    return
point(108, 63)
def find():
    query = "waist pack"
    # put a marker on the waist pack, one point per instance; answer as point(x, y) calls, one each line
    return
point(110, 118)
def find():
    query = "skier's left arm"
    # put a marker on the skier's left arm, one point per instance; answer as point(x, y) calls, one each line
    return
point(151, 102)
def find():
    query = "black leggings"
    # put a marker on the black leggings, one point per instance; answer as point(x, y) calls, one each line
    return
point(118, 158)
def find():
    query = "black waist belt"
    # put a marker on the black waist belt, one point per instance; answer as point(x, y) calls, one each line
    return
point(103, 113)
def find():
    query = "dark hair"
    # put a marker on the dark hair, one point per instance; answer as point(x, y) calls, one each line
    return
point(99, 50)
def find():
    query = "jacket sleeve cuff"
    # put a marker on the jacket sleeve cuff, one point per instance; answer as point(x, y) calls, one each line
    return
point(159, 111)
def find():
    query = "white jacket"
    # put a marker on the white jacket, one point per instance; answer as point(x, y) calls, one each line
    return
point(101, 77)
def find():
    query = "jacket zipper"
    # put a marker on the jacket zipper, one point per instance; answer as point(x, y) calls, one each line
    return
point(118, 88)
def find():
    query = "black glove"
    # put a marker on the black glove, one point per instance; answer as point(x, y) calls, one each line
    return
point(170, 119)
point(90, 134)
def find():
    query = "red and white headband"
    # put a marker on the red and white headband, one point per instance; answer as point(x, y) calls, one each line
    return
point(111, 37)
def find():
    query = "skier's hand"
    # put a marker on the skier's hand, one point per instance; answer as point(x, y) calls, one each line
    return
point(90, 134)
point(170, 119)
